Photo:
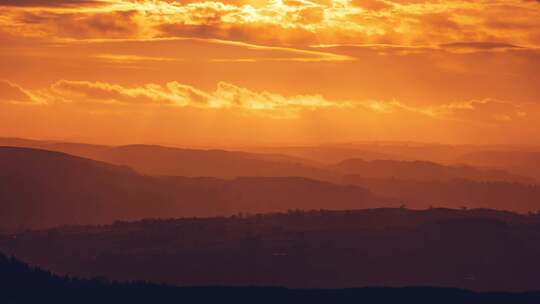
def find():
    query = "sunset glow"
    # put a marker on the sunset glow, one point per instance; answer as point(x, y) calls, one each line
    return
point(270, 72)
point(269, 151)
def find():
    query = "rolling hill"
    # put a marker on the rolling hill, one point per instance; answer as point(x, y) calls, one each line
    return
point(526, 163)
point(456, 193)
point(41, 188)
point(170, 161)
point(482, 250)
point(423, 171)
point(159, 160)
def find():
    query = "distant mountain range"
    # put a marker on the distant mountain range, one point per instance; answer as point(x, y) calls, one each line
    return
point(520, 160)
point(402, 151)
point(41, 188)
point(158, 160)
point(526, 163)
point(423, 171)
point(169, 161)
point(456, 193)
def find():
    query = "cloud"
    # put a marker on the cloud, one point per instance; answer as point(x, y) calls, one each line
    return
point(174, 94)
point(232, 95)
point(126, 58)
point(227, 96)
point(10, 92)
point(445, 49)
point(297, 23)
point(115, 24)
point(478, 46)
point(165, 49)
point(49, 3)
point(481, 111)
point(487, 110)
point(375, 5)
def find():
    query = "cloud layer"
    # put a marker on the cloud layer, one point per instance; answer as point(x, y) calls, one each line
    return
point(326, 70)
point(101, 95)
point(284, 22)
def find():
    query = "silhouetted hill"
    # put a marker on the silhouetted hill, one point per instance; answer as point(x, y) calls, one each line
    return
point(22, 142)
point(77, 149)
point(42, 188)
point(328, 154)
point(522, 162)
point(23, 284)
point(159, 160)
point(422, 171)
point(455, 193)
point(474, 249)
point(401, 151)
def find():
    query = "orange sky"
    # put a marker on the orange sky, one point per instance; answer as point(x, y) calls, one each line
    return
point(270, 72)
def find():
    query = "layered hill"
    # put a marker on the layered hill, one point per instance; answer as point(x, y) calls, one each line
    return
point(41, 188)
point(522, 162)
point(456, 193)
point(159, 160)
point(423, 171)
point(170, 161)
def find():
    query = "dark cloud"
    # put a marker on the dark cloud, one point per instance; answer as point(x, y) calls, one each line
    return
point(50, 3)
point(509, 25)
point(84, 25)
point(258, 33)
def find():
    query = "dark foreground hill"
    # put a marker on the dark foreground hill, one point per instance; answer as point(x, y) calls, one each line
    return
point(21, 284)
point(41, 188)
point(482, 250)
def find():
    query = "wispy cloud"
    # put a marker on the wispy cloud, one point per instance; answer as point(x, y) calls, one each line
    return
point(229, 96)
point(12, 93)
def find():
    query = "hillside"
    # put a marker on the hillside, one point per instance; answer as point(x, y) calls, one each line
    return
point(522, 162)
point(159, 160)
point(42, 188)
point(456, 193)
point(423, 171)
point(284, 162)
point(23, 284)
point(481, 250)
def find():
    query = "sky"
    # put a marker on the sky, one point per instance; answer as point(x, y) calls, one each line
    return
point(274, 72)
